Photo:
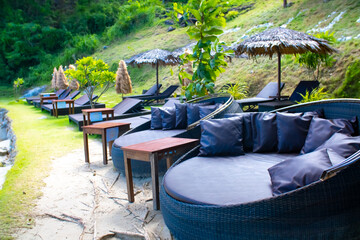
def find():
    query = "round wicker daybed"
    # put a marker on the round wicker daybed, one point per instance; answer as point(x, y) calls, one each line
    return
point(143, 133)
point(326, 209)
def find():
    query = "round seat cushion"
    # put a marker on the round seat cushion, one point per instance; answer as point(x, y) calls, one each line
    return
point(222, 180)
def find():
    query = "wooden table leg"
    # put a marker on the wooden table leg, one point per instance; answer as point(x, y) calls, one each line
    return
point(86, 146)
point(168, 161)
point(129, 179)
point(110, 146)
point(84, 119)
point(155, 180)
point(104, 145)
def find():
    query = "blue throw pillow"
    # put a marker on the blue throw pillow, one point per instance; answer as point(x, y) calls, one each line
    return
point(247, 131)
point(168, 116)
point(181, 115)
point(343, 144)
point(299, 171)
point(264, 132)
point(206, 110)
point(156, 121)
point(193, 113)
point(321, 130)
point(292, 129)
point(221, 137)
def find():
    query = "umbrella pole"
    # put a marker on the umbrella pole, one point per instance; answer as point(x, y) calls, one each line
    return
point(157, 77)
point(279, 75)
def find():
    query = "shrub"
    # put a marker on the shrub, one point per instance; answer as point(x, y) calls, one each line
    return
point(315, 95)
point(351, 85)
point(231, 15)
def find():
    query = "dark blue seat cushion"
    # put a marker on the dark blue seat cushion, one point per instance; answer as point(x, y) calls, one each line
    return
point(156, 120)
point(343, 144)
point(299, 171)
point(222, 180)
point(264, 132)
point(321, 130)
point(292, 129)
point(206, 110)
point(181, 115)
point(221, 137)
point(168, 116)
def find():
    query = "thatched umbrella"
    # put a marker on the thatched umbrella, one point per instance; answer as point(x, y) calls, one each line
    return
point(154, 57)
point(282, 41)
point(61, 81)
point(53, 80)
point(74, 84)
point(123, 81)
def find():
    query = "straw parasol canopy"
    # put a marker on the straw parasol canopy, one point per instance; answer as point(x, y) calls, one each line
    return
point(155, 57)
point(54, 77)
point(280, 41)
point(74, 84)
point(62, 82)
point(123, 81)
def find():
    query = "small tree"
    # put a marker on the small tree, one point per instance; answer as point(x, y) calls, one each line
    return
point(208, 54)
point(92, 74)
point(313, 61)
point(17, 85)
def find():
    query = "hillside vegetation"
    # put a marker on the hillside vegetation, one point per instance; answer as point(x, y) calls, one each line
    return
point(115, 30)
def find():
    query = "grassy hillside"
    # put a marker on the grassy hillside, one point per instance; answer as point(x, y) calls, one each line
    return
point(307, 14)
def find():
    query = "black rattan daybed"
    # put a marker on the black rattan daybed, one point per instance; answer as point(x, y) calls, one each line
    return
point(235, 206)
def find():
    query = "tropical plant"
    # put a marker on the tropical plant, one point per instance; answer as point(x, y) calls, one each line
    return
point(208, 54)
point(238, 90)
point(91, 74)
point(313, 61)
point(315, 95)
point(17, 85)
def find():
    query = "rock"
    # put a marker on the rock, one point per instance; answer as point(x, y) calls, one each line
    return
point(171, 29)
point(169, 22)
point(3, 134)
point(5, 147)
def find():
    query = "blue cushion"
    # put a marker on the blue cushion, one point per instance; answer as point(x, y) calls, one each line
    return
point(221, 137)
point(343, 144)
point(298, 171)
point(321, 130)
point(206, 110)
point(168, 117)
point(292, 129)
point(264, 132)
point(247, 131)
point(156, 120)
point(181, 116)
point(193, 113)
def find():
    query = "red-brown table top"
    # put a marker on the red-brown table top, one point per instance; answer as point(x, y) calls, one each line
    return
point(160, 144)
point(97, 110)
point(106, 125)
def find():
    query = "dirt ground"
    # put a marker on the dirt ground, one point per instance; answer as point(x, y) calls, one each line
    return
point(89, 201)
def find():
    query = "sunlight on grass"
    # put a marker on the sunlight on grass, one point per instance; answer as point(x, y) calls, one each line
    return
point(40, 138)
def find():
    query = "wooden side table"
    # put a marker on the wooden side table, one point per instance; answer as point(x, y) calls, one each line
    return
point(58, 104)
point(47, 94)
point(153, 151)
point(109, 131)
point(100, 111)
point(42, 99)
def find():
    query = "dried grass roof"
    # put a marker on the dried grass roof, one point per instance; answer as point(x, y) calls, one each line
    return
point(163, 57)
point(284, 40)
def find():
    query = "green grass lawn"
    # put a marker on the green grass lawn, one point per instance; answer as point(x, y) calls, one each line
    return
point(40, 138)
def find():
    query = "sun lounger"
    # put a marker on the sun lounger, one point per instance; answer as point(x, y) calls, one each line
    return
point(30, 100)
point(150, 92)
point(129, 107)
point(161, 96)
point(81, 103)
point(267, 94)
point(64, 95)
